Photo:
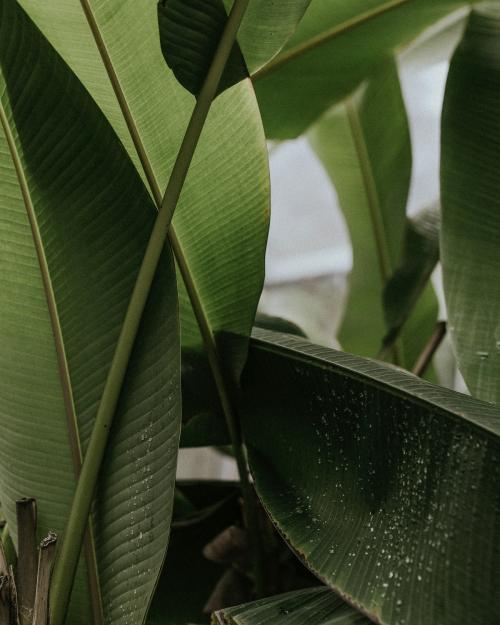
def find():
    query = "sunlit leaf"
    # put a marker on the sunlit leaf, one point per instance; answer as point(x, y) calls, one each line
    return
point(225, 200)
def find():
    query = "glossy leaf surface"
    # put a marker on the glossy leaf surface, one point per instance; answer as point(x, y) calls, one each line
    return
point(75, 220)
point(471, 203)
point(385, 485)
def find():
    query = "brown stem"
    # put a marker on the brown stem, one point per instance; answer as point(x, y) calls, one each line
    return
point(425, 358)
point(45, 562)
point(27, 559)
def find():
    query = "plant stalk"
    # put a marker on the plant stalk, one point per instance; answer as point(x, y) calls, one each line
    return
point(425, 358)
point(67, 561)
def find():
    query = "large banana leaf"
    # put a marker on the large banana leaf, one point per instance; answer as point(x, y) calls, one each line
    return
point(337, 45)
point(221, 222)
point(364, 144)
point(314, 606)
point(386, 485)
point(471, 203)
point(190, 31)
point(74, 222)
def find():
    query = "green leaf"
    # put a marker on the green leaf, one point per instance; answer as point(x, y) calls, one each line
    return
point(364, 145)
point(471, 203)
point(75, 220)
point(337, 45)
point(266, 28)
point(419, 259)
point(221, 223)
point(190, 31)
point(384, 484)
point(313, 606)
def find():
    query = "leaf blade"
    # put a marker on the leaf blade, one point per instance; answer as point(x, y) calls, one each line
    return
point(232, 212)
point(470, 192)
point(365, 147)
point(328, 56)
point(190, 32)
point(344, 506)
point(109, 221)
point(314, 606)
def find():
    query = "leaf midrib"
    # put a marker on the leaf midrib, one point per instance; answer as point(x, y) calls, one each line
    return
point(62, 361)
point(327, 36)
point(370, 189)
point(373, 203)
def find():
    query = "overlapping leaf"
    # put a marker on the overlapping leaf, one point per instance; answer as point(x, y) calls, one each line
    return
point(471, 203)
point(387, 486)
point(364, 144)
point(74, 222)
point(337, 45)
point(221, 223)
point(190, 31)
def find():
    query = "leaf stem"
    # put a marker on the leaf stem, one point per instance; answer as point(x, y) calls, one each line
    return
point(425, 358)
point(66, 564)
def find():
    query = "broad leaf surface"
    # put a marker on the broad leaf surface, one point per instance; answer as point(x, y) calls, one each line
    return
point(190, 31)
point(74, 222)
point(470, 183)
point(411, 277)
point(387, 486)
point(337, 45)
point(364, 145)
point(314, 606)
point(221, 223)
